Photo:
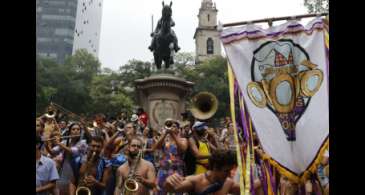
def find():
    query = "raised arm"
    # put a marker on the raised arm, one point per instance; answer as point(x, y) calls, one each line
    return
point(119, 182)
point(159, 143)
point(64, 147)
point(177, 183)
point(212, 140)
point(106, 136)
point(49, 149)
point(86, 130)
point(181, 143)
point(111, 140)
point(212, 146)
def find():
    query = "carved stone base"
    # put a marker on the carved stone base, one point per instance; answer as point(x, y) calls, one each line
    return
point(162, 96)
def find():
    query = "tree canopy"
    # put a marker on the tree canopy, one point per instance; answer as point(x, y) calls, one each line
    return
point(317, 6)
point(78, 85)
point(82, 86)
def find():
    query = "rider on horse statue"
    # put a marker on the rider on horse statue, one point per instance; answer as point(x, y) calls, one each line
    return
point(158, 28)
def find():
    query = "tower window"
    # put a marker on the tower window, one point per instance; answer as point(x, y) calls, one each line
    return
point(208, 17)
point(210, 48)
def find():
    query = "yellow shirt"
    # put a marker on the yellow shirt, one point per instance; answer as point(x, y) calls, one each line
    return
point(203, 150)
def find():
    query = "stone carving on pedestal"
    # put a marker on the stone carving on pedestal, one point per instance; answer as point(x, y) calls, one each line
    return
point(163, 96)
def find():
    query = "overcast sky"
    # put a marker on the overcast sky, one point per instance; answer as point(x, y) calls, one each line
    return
point(126, 24)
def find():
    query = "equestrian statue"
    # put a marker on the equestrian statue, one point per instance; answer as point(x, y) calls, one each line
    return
point(164, 41)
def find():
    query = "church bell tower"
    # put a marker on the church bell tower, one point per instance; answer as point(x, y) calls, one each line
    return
point(207, 43)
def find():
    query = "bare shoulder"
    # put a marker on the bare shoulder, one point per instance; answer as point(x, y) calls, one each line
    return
point(229, 180)
point(147, 163)
point(228, 183)
point(123, 167)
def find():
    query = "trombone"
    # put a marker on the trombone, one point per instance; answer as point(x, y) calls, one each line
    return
point(70, 114)
point(65, 111)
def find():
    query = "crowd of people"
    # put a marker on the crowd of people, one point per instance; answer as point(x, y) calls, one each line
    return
point(124, 155)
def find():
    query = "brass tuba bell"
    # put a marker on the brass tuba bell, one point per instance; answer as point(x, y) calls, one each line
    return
point(204, 105)
point(51, 111)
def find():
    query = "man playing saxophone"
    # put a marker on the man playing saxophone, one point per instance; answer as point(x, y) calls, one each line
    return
point(95, 170)
point(140, 172)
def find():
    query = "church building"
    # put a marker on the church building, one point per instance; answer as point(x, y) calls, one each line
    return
point(207, 43)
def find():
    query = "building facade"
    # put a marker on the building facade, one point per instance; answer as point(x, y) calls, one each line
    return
point(207, 43)
point(64, 26)
point(88, 25)
point(55, 24)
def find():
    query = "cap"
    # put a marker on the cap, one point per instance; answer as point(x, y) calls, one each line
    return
point(134, 118)
point(198, 125)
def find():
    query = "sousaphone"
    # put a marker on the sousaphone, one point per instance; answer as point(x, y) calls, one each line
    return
point(204, 105)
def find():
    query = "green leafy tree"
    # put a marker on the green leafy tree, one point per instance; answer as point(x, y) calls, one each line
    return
point(84, 64)
point(67, 84)
point(183, 60)
point(50, 80)
point(108, 95)
point(81, 86)
point(317, 6)
point(133, 70)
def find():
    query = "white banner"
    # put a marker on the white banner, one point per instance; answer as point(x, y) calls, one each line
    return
point(282, 73)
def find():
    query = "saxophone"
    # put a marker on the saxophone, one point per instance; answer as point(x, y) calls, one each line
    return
point(130, 184)
point(81, 188)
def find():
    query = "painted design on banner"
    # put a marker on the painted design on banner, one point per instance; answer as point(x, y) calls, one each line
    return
point(283, 80)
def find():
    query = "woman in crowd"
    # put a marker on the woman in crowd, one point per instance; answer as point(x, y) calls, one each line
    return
point(173, 147)
point(148, 142)
point(74, 149)
point(67, 154)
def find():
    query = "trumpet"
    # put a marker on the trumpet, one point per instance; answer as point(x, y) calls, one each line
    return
point(168, 124)
point(62, 137)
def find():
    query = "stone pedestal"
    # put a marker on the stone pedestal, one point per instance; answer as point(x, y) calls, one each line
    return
point(162, 96)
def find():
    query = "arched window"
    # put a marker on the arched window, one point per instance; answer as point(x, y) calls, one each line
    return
point(210, 48)
point(208, 17)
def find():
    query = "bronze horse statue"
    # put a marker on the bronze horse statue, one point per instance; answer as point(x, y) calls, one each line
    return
point(164, 43)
